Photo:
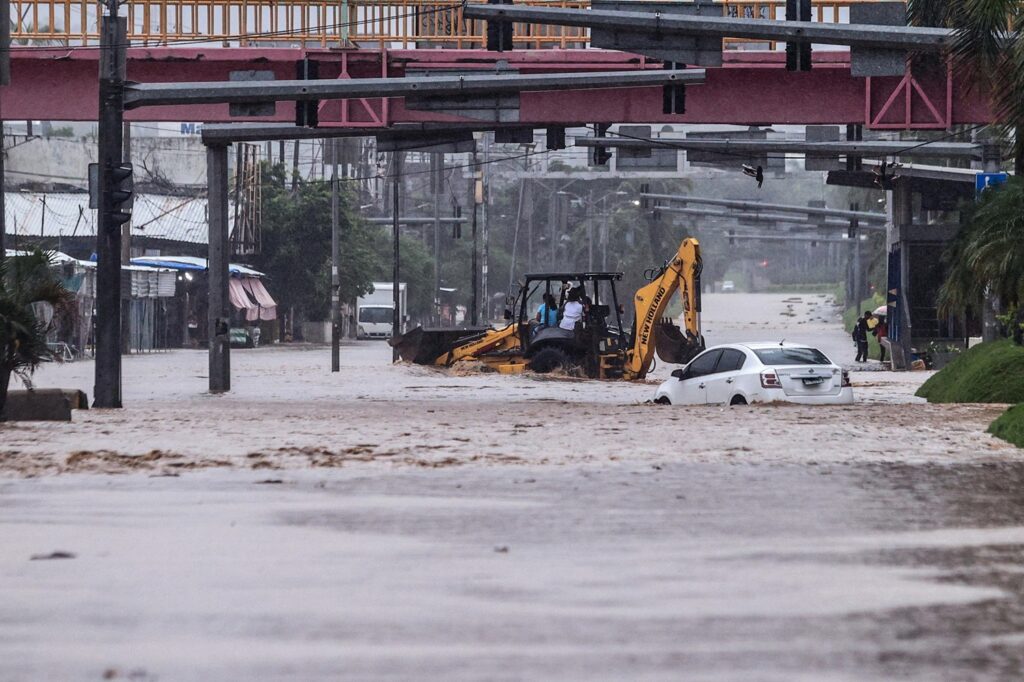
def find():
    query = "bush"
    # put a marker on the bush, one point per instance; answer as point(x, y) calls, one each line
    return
point(988, 373)
point(1010, 426)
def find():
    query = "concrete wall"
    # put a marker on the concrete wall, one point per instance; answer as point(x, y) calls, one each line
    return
point(65, 160)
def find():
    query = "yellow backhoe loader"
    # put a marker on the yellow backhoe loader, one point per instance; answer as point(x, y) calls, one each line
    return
point(598, 346)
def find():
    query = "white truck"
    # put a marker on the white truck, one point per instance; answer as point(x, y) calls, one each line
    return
point(375, 311)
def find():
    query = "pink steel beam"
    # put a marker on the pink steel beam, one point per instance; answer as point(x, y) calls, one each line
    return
point(751, 88)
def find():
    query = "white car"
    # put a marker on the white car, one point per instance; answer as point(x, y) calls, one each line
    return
point(728, 285)
point(742, 373)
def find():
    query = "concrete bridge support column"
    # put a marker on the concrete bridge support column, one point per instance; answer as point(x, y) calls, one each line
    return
point(218, 319)
point(902, 218)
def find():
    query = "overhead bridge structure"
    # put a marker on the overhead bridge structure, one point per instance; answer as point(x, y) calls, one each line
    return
point(54, 67)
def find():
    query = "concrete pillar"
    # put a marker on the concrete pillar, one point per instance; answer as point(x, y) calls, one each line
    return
point(220, 250)
point(902, 217)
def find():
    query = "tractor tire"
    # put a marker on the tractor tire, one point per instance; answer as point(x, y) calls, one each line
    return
point(549, 359)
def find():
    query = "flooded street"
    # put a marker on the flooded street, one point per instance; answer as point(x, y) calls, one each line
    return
point(400, 522)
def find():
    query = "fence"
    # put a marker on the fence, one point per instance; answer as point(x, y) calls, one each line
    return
point(302, 23)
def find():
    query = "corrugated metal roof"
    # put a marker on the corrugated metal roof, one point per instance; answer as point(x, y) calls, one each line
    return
point(192, 263)
point(50, 214)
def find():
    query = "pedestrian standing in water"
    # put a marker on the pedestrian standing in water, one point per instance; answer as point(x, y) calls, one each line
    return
point(881, 332)
point(860, 336)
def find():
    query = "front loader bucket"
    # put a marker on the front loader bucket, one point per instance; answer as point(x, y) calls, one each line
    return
point(425, 346)
point(673, 345)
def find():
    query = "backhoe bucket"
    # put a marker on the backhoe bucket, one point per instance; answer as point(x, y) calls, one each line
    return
point(673, 346)
point(425, 346)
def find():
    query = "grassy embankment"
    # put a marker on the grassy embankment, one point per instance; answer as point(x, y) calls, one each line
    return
point(988, 373)
point(1010, 426)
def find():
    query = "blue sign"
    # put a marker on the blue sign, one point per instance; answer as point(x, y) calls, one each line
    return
point(982, 181)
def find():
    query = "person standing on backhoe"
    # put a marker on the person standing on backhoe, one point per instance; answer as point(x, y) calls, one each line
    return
point(573, 311)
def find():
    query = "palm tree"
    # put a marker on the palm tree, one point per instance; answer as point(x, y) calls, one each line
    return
point(25, 282)
point(988, 51)
point(987, 257)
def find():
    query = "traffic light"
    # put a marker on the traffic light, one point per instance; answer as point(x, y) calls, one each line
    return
point(307, 113)
point(121, 186)
point(599, 156)
point(555, 138)
point(673, 98)
point(456, 226)
point(499, 32)
point(645, 202)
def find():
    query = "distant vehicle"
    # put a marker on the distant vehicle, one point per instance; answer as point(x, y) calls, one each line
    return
point(240, 337)
point(728, 286)
point(375, 311)
point(738, 374)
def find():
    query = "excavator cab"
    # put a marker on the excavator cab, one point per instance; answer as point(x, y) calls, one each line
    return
point(595, 346)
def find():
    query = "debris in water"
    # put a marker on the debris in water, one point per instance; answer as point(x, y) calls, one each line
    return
point(52, 555)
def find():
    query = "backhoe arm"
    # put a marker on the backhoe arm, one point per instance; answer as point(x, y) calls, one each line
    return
point(682, 273)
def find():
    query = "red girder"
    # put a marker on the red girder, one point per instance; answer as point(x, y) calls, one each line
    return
point(751, 88)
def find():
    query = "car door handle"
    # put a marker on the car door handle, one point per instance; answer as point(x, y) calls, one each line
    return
point(728, 381)
point(700, 385)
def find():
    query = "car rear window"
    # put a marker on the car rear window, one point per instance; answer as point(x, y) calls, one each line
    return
point(791, 356)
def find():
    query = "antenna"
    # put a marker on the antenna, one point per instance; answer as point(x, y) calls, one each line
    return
point(782, 342)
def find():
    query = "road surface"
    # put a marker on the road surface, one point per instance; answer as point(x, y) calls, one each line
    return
point(409, 523)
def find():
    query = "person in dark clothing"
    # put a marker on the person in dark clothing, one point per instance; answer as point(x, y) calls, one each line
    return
point(860, 336)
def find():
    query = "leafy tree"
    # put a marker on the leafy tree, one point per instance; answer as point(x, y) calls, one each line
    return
point(988, 254)
point(417, 269)
point(26, 282)
point(297, 244)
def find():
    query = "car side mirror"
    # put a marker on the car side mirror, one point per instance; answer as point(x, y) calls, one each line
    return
point(508, 314)
point(678, 374)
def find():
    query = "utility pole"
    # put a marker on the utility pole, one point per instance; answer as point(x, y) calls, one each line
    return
point(474, 313)
point(437, 184)
point(5, 79)
point(295, 164)
point(335, 259)
point(553, 201)
point(107, 389)
point(590, 231)
point(126, 250)
point(3, 224)
point(396, 191)
point(515, 238)
point(858, 274)
point(484, 288)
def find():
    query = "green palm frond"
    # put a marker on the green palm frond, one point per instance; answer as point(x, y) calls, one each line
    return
point(24, 281)
point(989, 252)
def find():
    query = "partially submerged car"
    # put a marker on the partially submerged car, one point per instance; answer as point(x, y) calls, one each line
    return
point(743, 373)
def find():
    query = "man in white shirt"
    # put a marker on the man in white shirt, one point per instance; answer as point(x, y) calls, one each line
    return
point(573, 311)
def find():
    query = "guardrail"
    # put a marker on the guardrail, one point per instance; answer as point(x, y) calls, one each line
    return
point(303, 23)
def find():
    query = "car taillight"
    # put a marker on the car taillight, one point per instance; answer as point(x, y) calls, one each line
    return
point(770, 380)
point(846, 379)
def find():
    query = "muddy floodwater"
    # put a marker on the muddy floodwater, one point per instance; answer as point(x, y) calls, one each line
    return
point(399, 522)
